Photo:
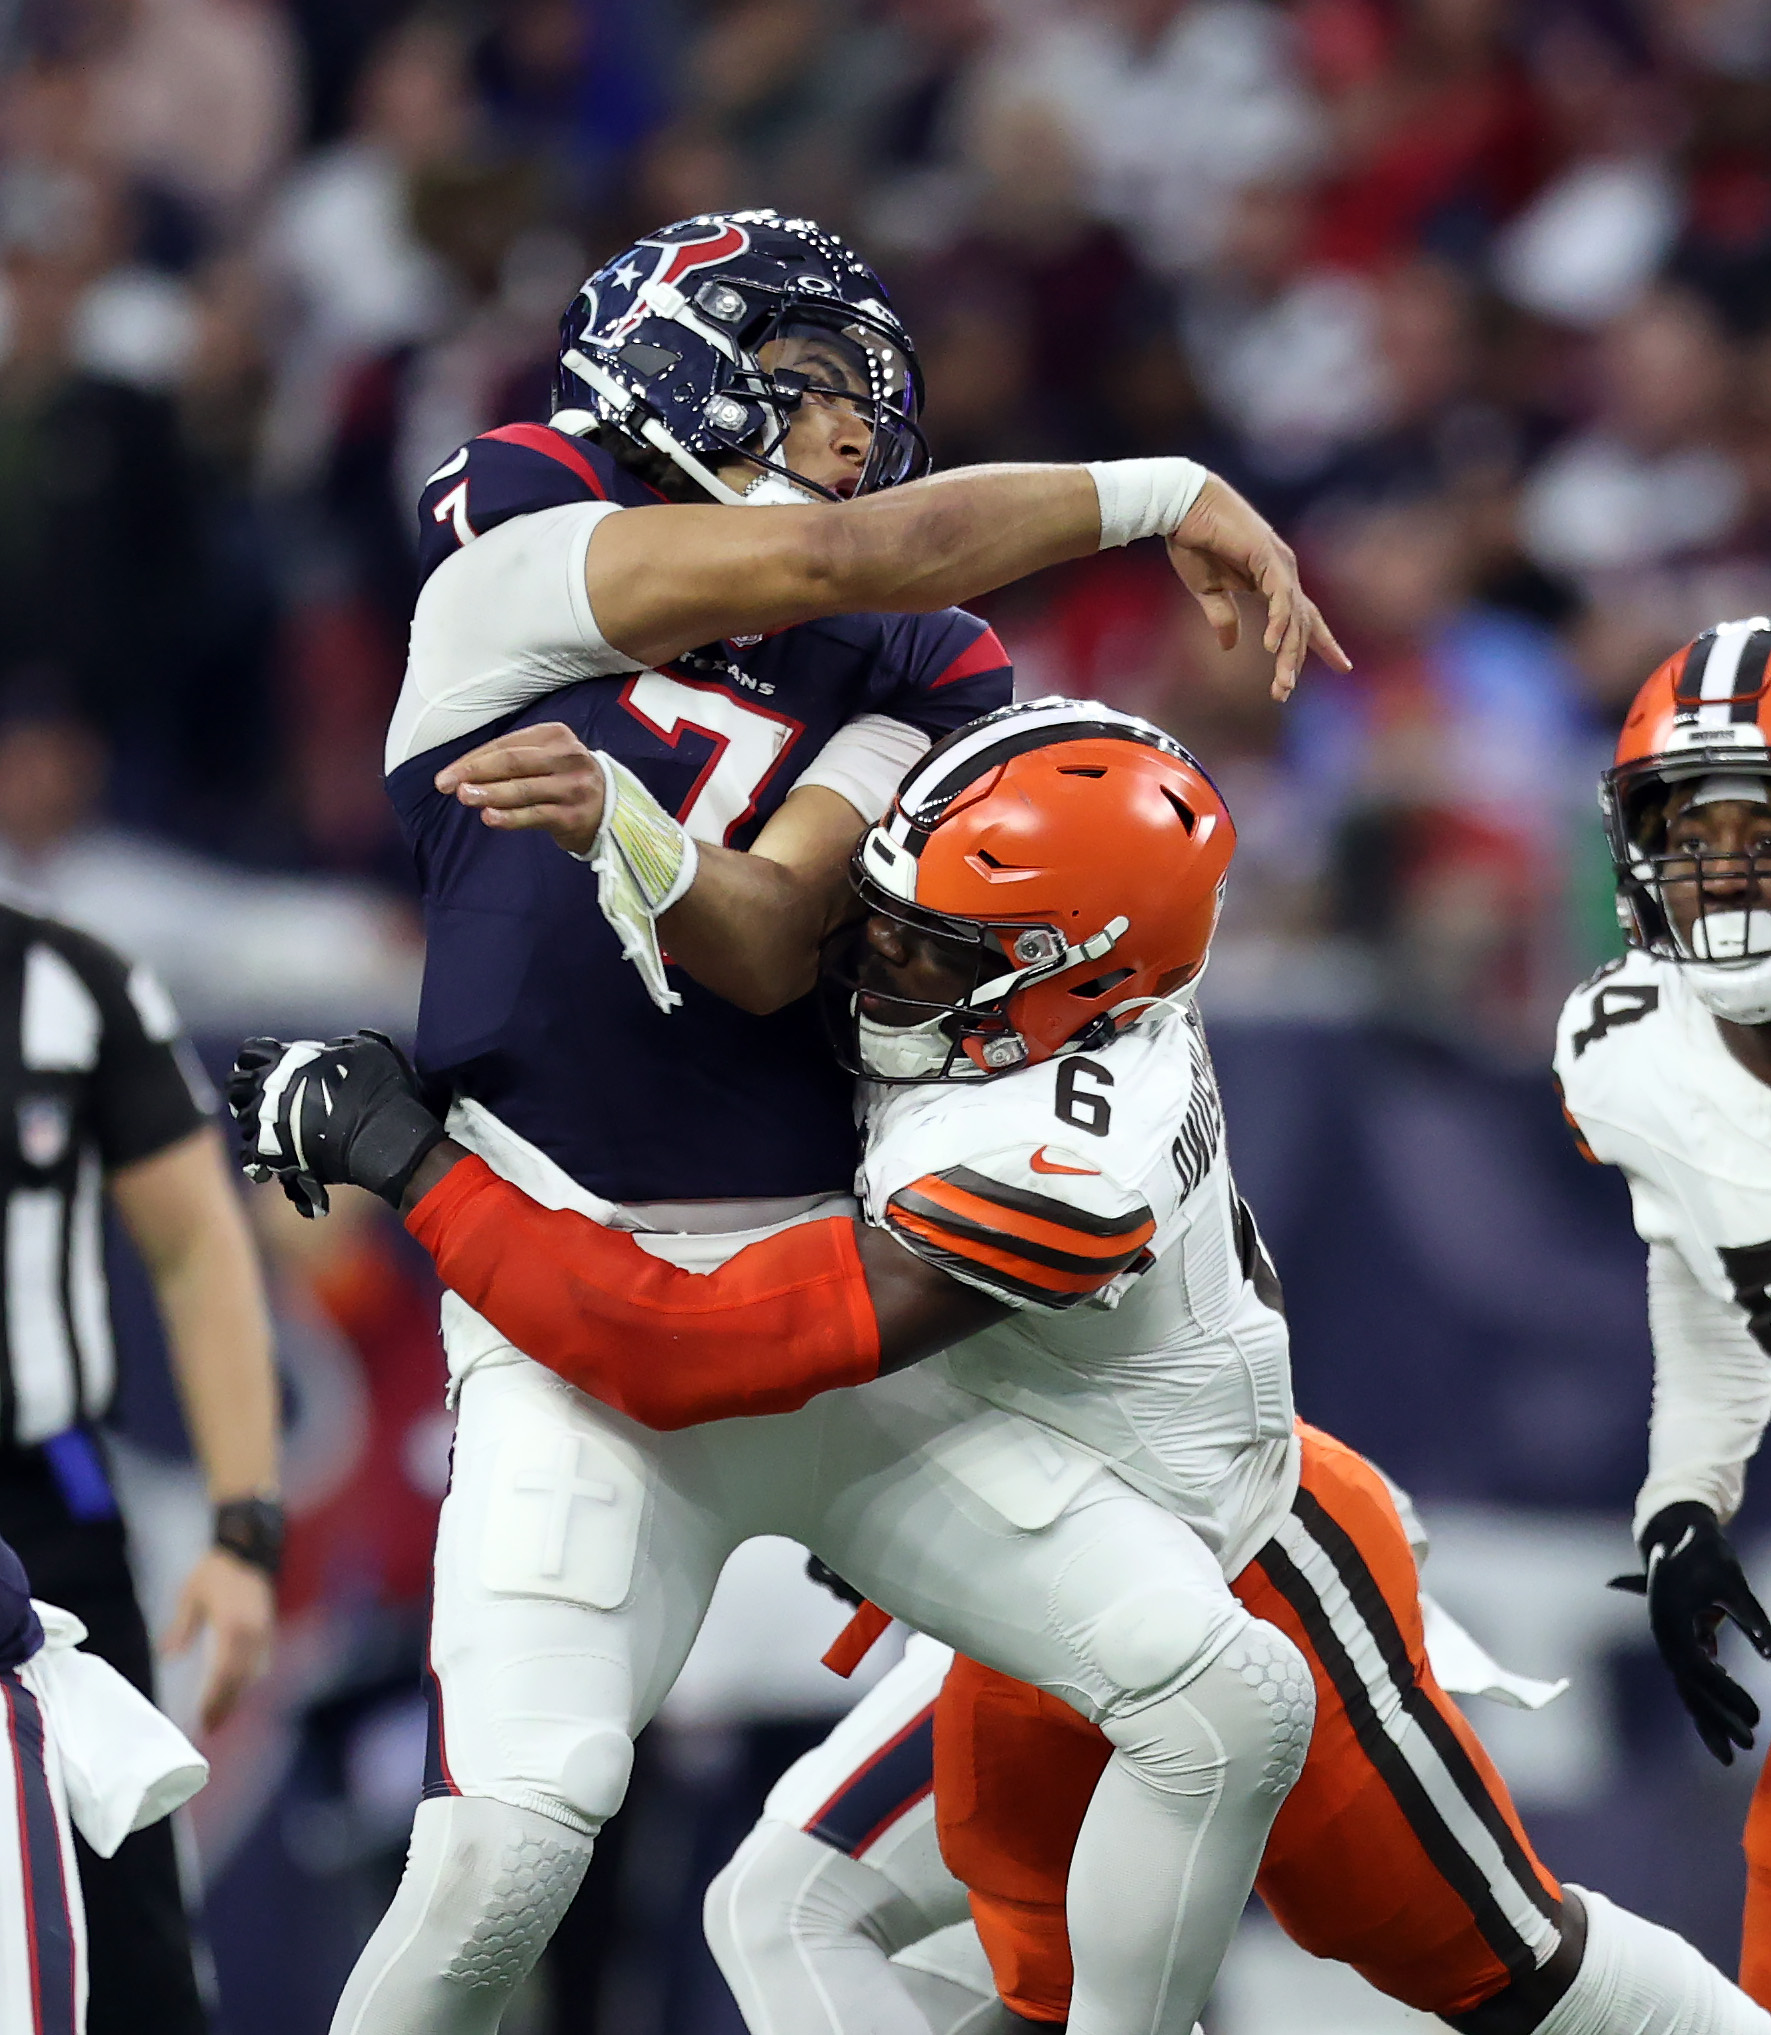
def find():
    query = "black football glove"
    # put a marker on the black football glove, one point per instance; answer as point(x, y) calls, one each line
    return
point(826, 1578)
point(345, 1113)
point(1693, 1582)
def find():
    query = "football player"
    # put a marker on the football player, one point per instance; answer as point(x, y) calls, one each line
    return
point(706, 707)
point(1048, 1201)
point(1664, 1060)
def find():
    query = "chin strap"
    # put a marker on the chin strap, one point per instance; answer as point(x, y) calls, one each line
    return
point(623, 401)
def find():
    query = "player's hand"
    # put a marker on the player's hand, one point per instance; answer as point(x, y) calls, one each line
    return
point(1694, 1581)
point(1225, 546)
point(347, 1113)
point(539, 777)
point(236, 1604)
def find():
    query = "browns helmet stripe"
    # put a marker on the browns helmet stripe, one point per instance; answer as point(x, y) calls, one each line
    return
point(1749, 677)
point(1722, 675)
point(1688, 685)
point(969, 753)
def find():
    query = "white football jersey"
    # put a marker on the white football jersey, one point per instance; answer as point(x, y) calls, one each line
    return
point(1093, 1194)
point(1652, 1089)
point(1647, 1078)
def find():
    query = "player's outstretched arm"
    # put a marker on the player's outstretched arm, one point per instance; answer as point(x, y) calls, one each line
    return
point(938, 543)
point(816, 1306)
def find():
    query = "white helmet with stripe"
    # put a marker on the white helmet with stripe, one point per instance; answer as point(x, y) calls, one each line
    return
point(1701, 728)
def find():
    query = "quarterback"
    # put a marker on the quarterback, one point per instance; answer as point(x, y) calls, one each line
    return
point(1664, 1060)
point(694, 630)
point(1048, 1200)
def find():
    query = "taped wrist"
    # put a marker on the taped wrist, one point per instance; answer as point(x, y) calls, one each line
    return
point(1144, 497)
point(644, 862)
point(782, 1320)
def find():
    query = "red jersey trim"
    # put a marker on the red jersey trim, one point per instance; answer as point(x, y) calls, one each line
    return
point(985, 654)
point(541, 438)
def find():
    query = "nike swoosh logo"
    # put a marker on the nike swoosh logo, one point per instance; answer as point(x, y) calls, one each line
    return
point(1041, 1164)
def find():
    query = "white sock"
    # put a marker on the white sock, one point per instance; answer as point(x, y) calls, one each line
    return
point(1639, 1979)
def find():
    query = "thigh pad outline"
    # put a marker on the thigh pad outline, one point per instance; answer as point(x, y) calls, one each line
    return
point(564, 1514)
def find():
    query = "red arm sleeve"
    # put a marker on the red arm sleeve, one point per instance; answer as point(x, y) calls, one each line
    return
point(780, 1322)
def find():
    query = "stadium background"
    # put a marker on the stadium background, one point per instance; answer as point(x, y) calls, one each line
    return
point(1474, 298)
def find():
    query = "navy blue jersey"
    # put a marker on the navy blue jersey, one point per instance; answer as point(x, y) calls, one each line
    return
point(528, 1005)
point(20, 1633)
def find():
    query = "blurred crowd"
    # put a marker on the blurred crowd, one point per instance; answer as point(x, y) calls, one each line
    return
point(1473, 296)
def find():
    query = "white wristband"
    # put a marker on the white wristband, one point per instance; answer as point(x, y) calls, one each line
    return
point(1144, 497)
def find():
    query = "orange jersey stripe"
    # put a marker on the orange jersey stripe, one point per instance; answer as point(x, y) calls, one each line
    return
point(1005, 1267)
point(1128, 1236)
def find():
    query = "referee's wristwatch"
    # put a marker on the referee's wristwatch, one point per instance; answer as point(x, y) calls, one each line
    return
point(252, 1529)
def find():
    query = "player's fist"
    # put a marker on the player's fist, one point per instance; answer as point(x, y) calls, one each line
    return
point(1694, 1581)
point(343, 1113)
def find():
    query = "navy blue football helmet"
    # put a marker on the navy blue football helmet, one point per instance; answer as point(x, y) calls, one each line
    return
point(662, 347)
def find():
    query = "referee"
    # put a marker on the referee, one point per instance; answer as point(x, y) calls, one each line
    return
point(100, 1096)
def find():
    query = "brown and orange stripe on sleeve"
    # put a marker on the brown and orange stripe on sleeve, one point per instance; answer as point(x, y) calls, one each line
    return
point(1025, 1246)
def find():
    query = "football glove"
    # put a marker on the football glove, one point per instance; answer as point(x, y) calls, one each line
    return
point(826, 1578)
point(344, 1113)
point(1692, 1582)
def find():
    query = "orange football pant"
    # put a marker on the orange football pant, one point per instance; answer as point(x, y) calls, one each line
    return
point(1755, 1927)
point(1398, 1852)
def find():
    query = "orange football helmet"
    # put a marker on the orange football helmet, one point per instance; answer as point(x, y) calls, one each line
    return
point(1703, 714)
point(1076, 854)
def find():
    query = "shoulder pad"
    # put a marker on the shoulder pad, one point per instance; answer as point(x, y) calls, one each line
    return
point(512, 471)
point(943, 670)
point(1037, 1226)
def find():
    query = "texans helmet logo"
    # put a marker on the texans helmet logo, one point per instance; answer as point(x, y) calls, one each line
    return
point(676, 259)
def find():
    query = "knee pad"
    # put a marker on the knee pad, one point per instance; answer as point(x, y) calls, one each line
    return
point(783, 1885)
point(503, 1879)
point(1273, 1670)
point(595, 1773)
point(1248, 1714)
point(484, 1888)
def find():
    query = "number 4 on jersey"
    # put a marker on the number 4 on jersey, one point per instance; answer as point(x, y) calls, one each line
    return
point(1619, 1004)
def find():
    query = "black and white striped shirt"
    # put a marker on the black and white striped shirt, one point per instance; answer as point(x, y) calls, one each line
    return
point(94, 1075)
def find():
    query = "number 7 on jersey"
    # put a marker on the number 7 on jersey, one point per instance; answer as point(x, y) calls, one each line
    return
point(748, 743)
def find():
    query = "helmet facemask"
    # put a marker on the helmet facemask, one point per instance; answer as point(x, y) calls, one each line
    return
point(840, 355)
point(1706, 908)
point(968, 1033)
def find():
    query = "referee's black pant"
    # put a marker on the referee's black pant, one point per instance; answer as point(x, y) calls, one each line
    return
point(139, 1942)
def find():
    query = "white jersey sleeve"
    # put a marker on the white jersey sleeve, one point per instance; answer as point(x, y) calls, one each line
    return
point(1055, 1184)
point(1712, 1394)
point(1651, 1088)
point(503, 621)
